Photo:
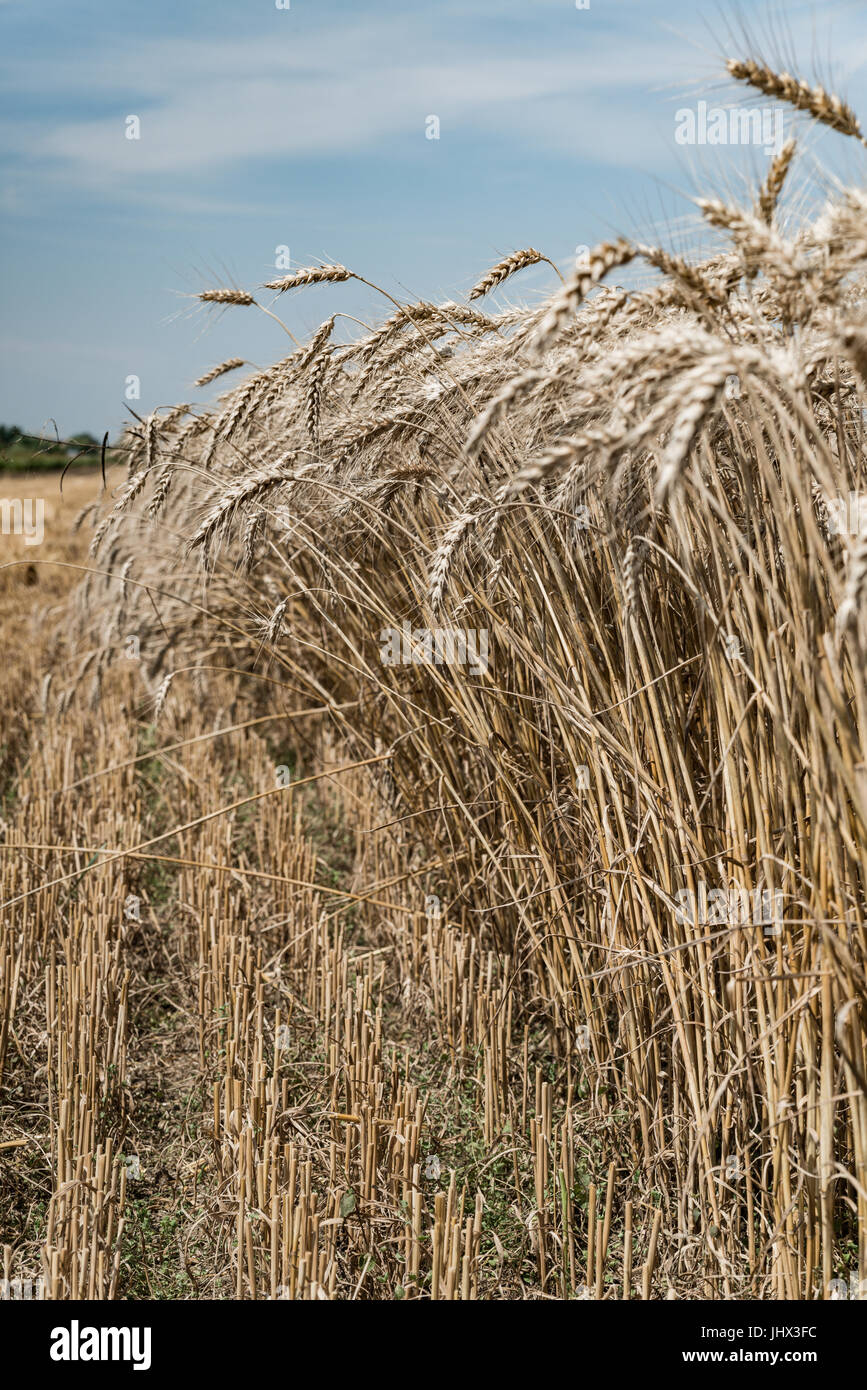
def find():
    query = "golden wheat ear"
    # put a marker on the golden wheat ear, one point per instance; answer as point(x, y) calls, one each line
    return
point(772, 187)
point(503, 269)
point(225, 297)
point(604, 257)
point(230, 365)
point(823, 106)
point(310, 275)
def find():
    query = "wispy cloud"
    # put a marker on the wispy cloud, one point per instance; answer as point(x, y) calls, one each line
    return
point(206, 106)
point(306, 126)
point(304, 88)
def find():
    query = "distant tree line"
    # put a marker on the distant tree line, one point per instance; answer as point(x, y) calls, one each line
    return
point(23, 452)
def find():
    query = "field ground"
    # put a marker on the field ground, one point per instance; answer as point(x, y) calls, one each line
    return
point(416, 1126)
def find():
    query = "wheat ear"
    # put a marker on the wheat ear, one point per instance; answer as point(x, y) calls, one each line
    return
point(442, 560)
point(159, 703)
point(225, 297)
point(773, 184)
point(699, 404)
point(601, 259)
point(309, 275)
point(230, 365)
point(823, 106)
point(503, 269)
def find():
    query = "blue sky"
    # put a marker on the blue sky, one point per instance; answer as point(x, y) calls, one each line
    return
point(263, 127)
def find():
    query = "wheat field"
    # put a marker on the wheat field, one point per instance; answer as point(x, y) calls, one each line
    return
point(434, 841)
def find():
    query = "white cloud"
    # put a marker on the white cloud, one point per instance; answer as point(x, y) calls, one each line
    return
point(320, 89)
point(206, 105)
